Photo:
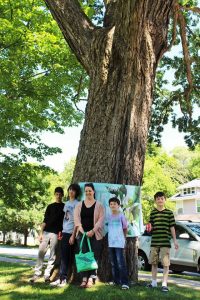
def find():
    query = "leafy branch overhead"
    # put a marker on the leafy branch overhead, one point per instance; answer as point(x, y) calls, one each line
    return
point(39, 78)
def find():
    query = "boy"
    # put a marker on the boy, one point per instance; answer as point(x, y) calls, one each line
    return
point(117, 229)
point(50, 228)
point(162, 225)
point(68, 235)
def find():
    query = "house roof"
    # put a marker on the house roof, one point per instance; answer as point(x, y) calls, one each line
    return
point(190, 184)
point(185, 197)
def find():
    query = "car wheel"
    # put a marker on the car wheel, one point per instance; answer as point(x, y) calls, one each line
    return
point(143, 264)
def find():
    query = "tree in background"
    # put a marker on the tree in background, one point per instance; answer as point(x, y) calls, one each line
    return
point(121, 57)
point(24, 194)
point(161, 173)
point(21, 221)
point(190, 160)
point(39, 80)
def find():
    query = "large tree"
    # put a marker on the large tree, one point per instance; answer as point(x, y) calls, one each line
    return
point(121, 58)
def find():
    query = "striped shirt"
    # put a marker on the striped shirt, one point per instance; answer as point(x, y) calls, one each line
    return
point(161, 222)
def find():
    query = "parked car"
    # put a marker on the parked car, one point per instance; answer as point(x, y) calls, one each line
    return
point(186, 258)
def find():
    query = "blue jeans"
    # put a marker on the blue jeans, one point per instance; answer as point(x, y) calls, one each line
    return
point(119, 271)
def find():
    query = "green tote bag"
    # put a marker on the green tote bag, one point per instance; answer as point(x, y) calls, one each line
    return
point(85, 261)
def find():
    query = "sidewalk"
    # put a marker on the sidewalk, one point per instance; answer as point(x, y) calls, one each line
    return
point(194, 284)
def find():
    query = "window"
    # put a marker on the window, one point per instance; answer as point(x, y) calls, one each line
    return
point(198, 206)
point(179, 207)
point(189, 191)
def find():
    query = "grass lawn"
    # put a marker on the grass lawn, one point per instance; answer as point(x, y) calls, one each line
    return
point(14, 285)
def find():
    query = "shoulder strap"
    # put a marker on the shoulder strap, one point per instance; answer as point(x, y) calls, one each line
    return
point(88, 242)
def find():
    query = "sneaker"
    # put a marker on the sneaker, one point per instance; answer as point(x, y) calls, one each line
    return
point(63, 283)
point(55, 283)
point(34, 278)
point(59, 283)
point(164, 289)
point(110, 283)
point(125, 287)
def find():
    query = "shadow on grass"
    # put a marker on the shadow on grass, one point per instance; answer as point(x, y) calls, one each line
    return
point(18, 287)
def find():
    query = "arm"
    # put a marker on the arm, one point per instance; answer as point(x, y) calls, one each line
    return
point(172, 229)
point(41, 232)
point(125, 232)
point(72, 237)
point(124, 224)
point(77, 218)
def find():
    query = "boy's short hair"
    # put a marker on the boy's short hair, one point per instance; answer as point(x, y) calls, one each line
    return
point(59, 189)
point(159, 194)
point(114, 199)
point(76, 188)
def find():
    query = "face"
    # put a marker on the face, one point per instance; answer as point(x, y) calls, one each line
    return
point(58, 196)
point(114, 206)
point(89, 193)
point(71, 193)
point(160, 201)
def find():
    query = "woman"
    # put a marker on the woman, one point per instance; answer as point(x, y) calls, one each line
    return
point(89, 218)
point(68, 234)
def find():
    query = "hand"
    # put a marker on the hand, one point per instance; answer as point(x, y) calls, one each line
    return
point(40, 237)
point(176, 245)
point(148, 227)
point(90, 233)
point(71, 240)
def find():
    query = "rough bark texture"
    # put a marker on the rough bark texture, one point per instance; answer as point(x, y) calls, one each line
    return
point(121, 60)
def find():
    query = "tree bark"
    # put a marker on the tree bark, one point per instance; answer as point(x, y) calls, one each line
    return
point(25, 237)
point(122, 61)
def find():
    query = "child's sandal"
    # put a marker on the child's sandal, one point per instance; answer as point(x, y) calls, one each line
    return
point(89, 283)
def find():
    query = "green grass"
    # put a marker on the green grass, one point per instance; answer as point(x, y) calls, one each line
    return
point(14, 285)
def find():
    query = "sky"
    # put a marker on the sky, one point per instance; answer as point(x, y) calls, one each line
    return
point(69, 142)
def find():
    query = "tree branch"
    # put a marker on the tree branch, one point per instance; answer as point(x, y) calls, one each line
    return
point(174, 31)
point(186, 55)
point(75, 26)
point(189, 8)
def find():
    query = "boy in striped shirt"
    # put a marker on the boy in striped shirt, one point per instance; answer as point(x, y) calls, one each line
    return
point(162, 224)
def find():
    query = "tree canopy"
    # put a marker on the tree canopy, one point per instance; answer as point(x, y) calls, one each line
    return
point(40, 79)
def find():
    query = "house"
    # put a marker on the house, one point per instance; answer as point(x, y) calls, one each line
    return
point(188, 201)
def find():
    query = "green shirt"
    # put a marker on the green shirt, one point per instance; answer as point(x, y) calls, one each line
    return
point(161, 222)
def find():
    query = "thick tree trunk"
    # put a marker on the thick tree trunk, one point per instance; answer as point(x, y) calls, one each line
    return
point(121, 60)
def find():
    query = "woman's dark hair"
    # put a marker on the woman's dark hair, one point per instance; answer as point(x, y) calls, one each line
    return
point(76, 188)
point(91, 185)
point(114, 199)
point(59, 190)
